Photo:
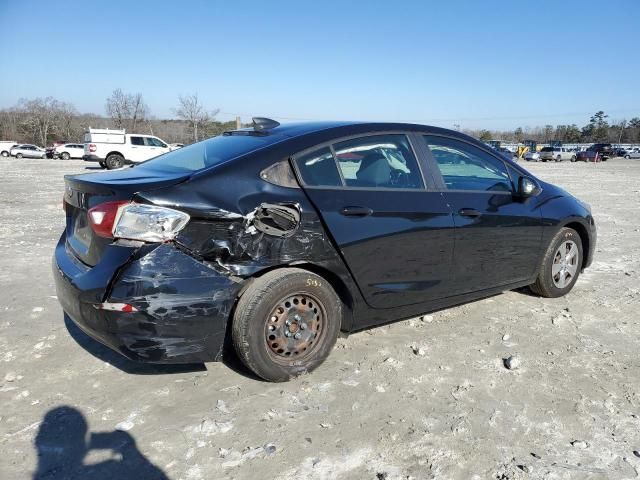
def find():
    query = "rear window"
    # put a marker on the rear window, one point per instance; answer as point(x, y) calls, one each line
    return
point(547, 149)
point(208, 153)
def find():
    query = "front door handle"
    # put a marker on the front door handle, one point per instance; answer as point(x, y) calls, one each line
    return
point(469, 212)
point(354, 211)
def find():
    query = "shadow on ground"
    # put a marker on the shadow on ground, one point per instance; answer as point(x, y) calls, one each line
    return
point(64, 442)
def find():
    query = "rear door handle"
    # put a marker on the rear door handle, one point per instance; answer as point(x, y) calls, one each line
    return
point(469, 212)
point(356, 211)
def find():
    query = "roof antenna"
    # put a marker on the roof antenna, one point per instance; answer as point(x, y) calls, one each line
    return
point(262, 123)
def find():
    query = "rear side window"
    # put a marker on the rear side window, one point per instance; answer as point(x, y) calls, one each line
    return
point(466, 167)
point(318, 169)
point(208, 153)
point(137, 141)
point(379, 161)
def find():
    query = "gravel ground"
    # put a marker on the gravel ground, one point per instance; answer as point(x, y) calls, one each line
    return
point(423, 398)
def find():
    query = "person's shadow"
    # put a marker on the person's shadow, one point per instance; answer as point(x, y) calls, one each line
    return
point(64, 441)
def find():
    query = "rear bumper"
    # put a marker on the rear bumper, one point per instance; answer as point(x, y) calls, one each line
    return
point(92, 158)
point(183, 305)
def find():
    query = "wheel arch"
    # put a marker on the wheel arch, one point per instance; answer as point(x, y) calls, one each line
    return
point(115, 152)
point(584, 238)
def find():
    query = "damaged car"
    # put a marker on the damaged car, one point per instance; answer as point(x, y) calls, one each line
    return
point(269, 241)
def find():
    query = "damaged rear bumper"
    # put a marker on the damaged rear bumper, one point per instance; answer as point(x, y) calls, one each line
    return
point(182, 304)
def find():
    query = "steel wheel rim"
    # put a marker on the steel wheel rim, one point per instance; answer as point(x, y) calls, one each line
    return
point(294, 327)
point(565, 264)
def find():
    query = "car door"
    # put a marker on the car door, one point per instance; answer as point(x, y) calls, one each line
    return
point(159, 146)
point(498, 235)
point(393, 231)
point(138, 149)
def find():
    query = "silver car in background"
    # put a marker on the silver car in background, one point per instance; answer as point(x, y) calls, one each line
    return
point(634, 153)
point(27, 151)
point(557, 154)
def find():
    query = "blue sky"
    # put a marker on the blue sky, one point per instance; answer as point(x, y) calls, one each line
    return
point(480, 64)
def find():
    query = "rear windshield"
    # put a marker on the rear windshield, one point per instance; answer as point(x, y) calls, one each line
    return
point(208, 153)
point(547, 149)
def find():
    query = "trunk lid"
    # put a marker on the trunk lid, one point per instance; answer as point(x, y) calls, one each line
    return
point(85, 191)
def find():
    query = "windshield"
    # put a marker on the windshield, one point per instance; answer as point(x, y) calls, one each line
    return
point(208, 153)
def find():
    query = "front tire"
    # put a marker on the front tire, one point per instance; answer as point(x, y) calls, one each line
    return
point(286, 323)
point(114, 161)
point(573, 159)
point(560, 266)
point(18, 155)
point(65, 156)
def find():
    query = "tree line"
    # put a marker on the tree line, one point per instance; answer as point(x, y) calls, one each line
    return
point(599, 129)
point(44, 120)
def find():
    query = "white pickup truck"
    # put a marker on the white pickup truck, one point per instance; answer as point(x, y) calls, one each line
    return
point(115, 148)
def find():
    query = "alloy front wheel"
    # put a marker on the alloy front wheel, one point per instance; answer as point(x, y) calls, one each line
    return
point(565, 264)
point(560, 267)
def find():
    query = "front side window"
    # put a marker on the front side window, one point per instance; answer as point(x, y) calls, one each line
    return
point(137, 141)
point(466, 167)
point(379, 161)
point(318, 168)
point(154, 142)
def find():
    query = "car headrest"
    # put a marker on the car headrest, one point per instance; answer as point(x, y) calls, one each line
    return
point(374, 169)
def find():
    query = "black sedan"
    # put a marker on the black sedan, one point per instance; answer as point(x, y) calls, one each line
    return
point(273, 239)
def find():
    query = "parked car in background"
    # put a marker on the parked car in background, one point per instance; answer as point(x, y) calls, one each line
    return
point(635, 153)
point(69, 150)
point(588, 156)
point(508, 154)
point(51, 151)
point(278, 237)
point(115, 148)
point(556, 154)
point(5, 147)
point(618, 152)
point(532, 156)
point(28, 151)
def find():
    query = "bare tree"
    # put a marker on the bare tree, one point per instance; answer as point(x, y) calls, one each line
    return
point(41, 116)
point(194, 113)
point(127, 110)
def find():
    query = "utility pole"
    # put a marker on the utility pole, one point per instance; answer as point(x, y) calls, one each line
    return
point(238, 123)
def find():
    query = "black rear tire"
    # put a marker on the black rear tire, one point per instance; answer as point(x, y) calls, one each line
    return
point(102, 164)
point(114, 161)
point(545, 286)
point(18, 155)
point(65, 156)
point(274, 309)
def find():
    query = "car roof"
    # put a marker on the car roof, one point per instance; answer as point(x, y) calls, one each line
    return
point(316, 132)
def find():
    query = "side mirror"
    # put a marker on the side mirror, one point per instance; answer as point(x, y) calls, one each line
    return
point(527, 187)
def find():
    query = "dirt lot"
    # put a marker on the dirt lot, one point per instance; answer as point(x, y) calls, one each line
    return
point(423, 398)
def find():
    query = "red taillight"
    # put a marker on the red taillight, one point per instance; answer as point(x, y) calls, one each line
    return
point(92, 147)
point(103, 216)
